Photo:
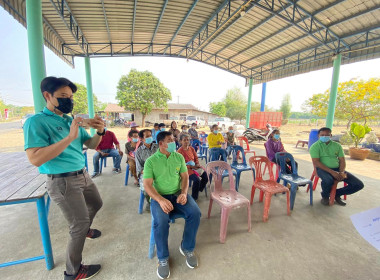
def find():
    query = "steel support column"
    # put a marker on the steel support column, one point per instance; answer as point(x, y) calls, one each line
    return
point(249, 104)
point(263, 93)
point(36, 50)
point(333, 91)
point(90, 98)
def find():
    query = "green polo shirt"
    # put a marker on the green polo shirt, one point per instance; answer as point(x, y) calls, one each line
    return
point(47, 128)
point(328, 154)
point(165, 172)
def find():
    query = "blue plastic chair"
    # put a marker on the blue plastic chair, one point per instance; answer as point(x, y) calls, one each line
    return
point(141, 202)
point(239, 167)
point(103, 161)
point(152, 242)
point(196, 144)
point(293, 179)
point(215, 155)
point(126, 175)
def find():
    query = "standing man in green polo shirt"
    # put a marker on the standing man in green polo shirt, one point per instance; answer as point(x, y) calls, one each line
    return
point(328, 160)
point(54, 142)
point(166, 181)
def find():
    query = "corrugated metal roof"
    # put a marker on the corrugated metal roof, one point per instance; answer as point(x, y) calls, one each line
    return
point(262, 39)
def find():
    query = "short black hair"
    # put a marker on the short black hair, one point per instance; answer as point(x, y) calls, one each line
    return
point(131, 132)
point(193, 124)
point(141, 133)
point(324, 129)
point(184, 125)
point(162, 135)
point(161, 125)
point(155, 124)
point(214, 125)
point(52, 84)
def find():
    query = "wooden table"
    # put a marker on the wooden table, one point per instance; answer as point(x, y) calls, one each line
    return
point(22, 183)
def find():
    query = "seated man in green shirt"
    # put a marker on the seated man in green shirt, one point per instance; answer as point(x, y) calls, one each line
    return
point(166, 181)
point(54, 142)
point(328, 159)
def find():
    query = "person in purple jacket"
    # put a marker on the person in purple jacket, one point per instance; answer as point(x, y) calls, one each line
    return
point(273, 146)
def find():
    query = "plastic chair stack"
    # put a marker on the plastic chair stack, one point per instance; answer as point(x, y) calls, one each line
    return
point(293, 179)
point(227, 199)
point(239, 167)
point(266, 187)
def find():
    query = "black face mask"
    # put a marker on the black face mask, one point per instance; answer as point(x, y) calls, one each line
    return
point(65, 105)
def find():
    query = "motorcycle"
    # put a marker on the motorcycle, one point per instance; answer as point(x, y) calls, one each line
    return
point(254, 134)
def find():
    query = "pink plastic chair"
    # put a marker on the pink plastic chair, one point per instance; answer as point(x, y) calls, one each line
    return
point(227, 199)
point(267, 187)
point(243, 141)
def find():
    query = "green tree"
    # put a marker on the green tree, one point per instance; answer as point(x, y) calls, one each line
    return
point(256, 107)
point(218, 108)
point(236, 104)
point(286, 107)
point(356, 101)
point(81, 102)
point(142, 91)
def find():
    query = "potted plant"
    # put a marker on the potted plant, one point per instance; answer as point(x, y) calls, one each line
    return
point(357, 133)
point(372, 142)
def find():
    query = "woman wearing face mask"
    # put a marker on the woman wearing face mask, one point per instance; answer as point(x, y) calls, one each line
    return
point(230, 137)
point(273, 146)
point(215, 139)
point(130, 150)
point(185, 131)
point(175, 131)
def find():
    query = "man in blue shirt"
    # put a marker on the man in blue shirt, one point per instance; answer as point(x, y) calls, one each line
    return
point(54, 142)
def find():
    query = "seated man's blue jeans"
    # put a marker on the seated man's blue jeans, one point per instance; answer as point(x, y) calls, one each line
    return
point(353, 184)
point(192, 215)
point(112, 153)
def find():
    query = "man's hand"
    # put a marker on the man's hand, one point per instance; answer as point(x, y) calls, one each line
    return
point(120, 153)
point(97, 123)
point(182, 199)
point(104, 154)
point(197, 166)
point(337, 176)
point(74, 128)
point(166, 205)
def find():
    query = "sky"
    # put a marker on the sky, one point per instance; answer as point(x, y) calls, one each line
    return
point(189, 81)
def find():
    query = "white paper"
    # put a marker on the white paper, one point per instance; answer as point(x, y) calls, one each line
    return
point(367, 223)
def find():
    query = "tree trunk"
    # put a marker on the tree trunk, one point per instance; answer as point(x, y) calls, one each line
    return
point(143, 120)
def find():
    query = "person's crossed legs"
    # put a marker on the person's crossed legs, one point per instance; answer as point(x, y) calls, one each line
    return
point(353, 184)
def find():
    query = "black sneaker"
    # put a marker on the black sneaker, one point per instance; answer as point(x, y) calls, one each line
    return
point(95, 175)
point(339, 201)
point(85, 272)
point(325, 201)
point(93, 233)
point(163, 269)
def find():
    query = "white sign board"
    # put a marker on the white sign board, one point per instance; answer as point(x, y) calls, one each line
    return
point(367, 223)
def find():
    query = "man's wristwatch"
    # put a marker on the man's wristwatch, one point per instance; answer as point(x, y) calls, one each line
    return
point(101, 134)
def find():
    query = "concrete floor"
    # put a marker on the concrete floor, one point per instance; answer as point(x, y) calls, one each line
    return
point(315, 242)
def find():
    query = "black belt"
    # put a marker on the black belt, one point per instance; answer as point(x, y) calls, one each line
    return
point(67, 174)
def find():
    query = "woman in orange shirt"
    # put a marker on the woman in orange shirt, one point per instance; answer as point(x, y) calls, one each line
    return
point(192, 164)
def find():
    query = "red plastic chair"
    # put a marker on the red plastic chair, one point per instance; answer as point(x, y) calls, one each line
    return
point(315, 178)
point(227, 199)
point(272, 164)
point(267, 187)
point(244, 141)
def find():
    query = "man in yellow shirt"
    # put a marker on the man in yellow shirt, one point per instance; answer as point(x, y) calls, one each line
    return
point(215, 139)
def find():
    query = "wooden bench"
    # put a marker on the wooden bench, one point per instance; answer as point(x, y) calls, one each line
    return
point(303, 142)
point(22, 183)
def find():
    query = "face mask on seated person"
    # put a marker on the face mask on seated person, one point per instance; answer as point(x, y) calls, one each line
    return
point(325, 139)
point(65, 105)
point(276, 136)
point(162, 128)
point(171, 147)
point(149, 140)
point(231, 131)
point(135, 140)
point(216, 131)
